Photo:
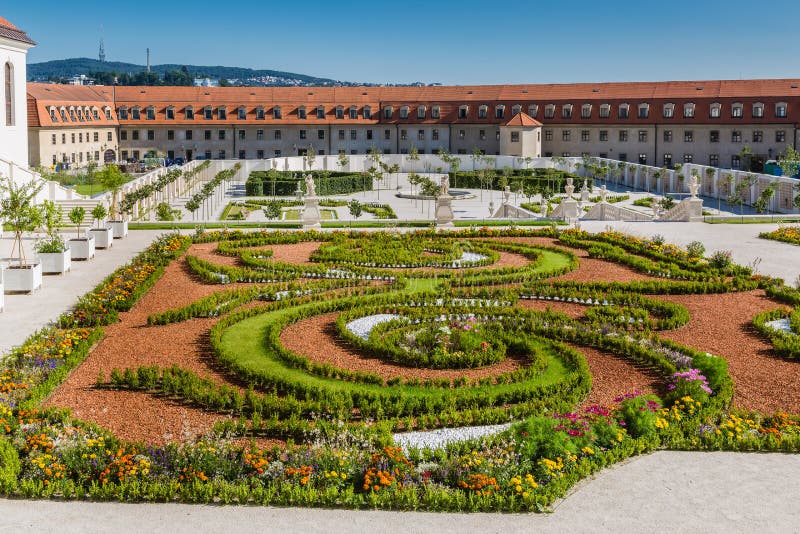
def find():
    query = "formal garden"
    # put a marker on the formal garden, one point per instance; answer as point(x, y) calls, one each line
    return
point(478, 370)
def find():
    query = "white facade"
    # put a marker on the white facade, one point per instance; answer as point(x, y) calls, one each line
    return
point(14, 133)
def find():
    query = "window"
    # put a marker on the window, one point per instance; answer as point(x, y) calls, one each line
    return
point(54, 139)
point(277, 114)
point(221, 154)
point(277, 153)
point(64, 138)
point(667, 136)
point(566, 111)
point(516, 110)
point(207, 113)
point(80, 137)
point(123, 135)
point(170, 113)
point(242, 154)
point(713, 160)
point(221, 135)
point(353, 112)
point(736, 136)
point(533, 110)
point(134, 135)
point(367, 113)
point(341, 135)
point(136, 114)
point(353, 135)
point(260, 113)
point(241, 113)
point(780, 136)
point(714, 136)
point(737, 111)
point(242, 135)
point(736, 162)
point(623, 156)
point(63, 113)
point(548, 135)
point(688, 136)
point(222, 113)
point(388, 112)
point(642, 136)
point(605, 111)
point(369, 135)
point(462, 134)
point(642, 159)
point(604, 135)
point(566, 135)
point(421, 111)
point(715, 110)
point(259, 135)
point(644, 111)
point(482, 135)
point(586, 111)
point(302, 134)
point(277, 135)
point(387, 134)
point(624, 111)
point(623, 136)
point(669, 111)
point(462, 112)
point(688, 110)
point(435, 134)
point(781, 110)
point(482, 112)
point(549, 111)
point(96, 137)
point(499, 112)
point(207, 135)
point(420, 135)
point(208, 154)
point(170, 135)
point(96, 115)
point(320, 112)
point(515, 137)
point(758, 136)
point(189, 112)
point(688, 158)
point(667, 160)
point(404, 112)
point(585, 135)
point(108, 114)
point(188, 135)
point(320, 134)
point(436, 112)
point(758, 110)
point(403, 135)
point(260, 154)
point(301, 113)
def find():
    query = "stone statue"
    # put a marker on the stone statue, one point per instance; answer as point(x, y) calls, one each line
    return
point(569, 188)
point(444, 185)
point(694, 186)
point(585, 192)
point(311, 188)
point(603, 193)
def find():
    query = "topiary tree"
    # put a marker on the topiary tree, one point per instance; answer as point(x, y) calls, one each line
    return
point(272, 210)
point(76, 215)
point(18, 208)
point(99, 213)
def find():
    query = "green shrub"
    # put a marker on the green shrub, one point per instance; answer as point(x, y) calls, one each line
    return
point(639, 415)
point(10, 467)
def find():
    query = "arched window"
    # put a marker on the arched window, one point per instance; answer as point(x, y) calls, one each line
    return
point(9, 90)
point(482, 112)
point(516, 110)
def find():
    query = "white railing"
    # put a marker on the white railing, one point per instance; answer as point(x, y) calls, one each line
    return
point(51, 191)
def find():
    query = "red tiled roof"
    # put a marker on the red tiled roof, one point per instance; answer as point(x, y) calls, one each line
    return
point(523, 119)
point(9, 31)
point(42, 96)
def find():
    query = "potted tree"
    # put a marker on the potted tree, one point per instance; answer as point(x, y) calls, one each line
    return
point(19, 211)
point(55, 255)
point(82, 247)
point(103, 236)
point(113, 179)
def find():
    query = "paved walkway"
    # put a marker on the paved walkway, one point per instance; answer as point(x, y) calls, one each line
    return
point(662, 492)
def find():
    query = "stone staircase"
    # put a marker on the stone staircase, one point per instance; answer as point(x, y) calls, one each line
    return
point(87, 204)
point(604, 211)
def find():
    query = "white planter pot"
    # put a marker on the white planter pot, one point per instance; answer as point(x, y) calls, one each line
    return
point(120, 228)
point(26, 279)
point(82, 249)
point(103, 237)
point(56, 262)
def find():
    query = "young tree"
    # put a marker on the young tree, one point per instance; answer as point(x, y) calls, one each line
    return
point(273, 209)
point(112, 179)
point(18, 209)
point(413, 157)
point(310, 157)
point(76, 215)
point(355, 209)
point(789, 161)
point(51, 221)
point(99, 213)
point(342, 161)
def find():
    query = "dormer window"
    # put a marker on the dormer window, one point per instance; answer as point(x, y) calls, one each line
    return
point(436, 112)
point(108, 113)
point(123, 113)
point(367, 113)
point(150, 113)
point(605, 111)
point(499, 112)
point(189, 113)
point(516, 110)
point(403, 112)
point(260, 115)
point(715, 110)
point(207, 113)
point(758, 110)
point(276, 113)
point(353, 112)
point(781, 110)
point(549, 111)
point(737, 110)
point(80, 114)
point(566, 111)
point(170, 113)
point(688, 110)
point(339, 112)
point(320, 112)
point(136, 113)
point(222, 113)
point(533, 110)
point(301, 113)
point(96, 114)
point(462, 112)
point(242, 113)
point(586, 111)
point(388, 111)
point(482, 112)
point(421, 112)
point(624, 111)
point(644, 111)
point(669, 111)
point(53, 116)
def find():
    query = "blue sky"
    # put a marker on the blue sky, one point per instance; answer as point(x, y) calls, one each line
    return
point(453, 42)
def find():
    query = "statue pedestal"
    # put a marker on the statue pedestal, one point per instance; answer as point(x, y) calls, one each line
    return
point(569, 209)
point(695, 209)
point(311, 215)
point(444, 210)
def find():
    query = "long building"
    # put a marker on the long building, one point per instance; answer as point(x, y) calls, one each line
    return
point(653, 123)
